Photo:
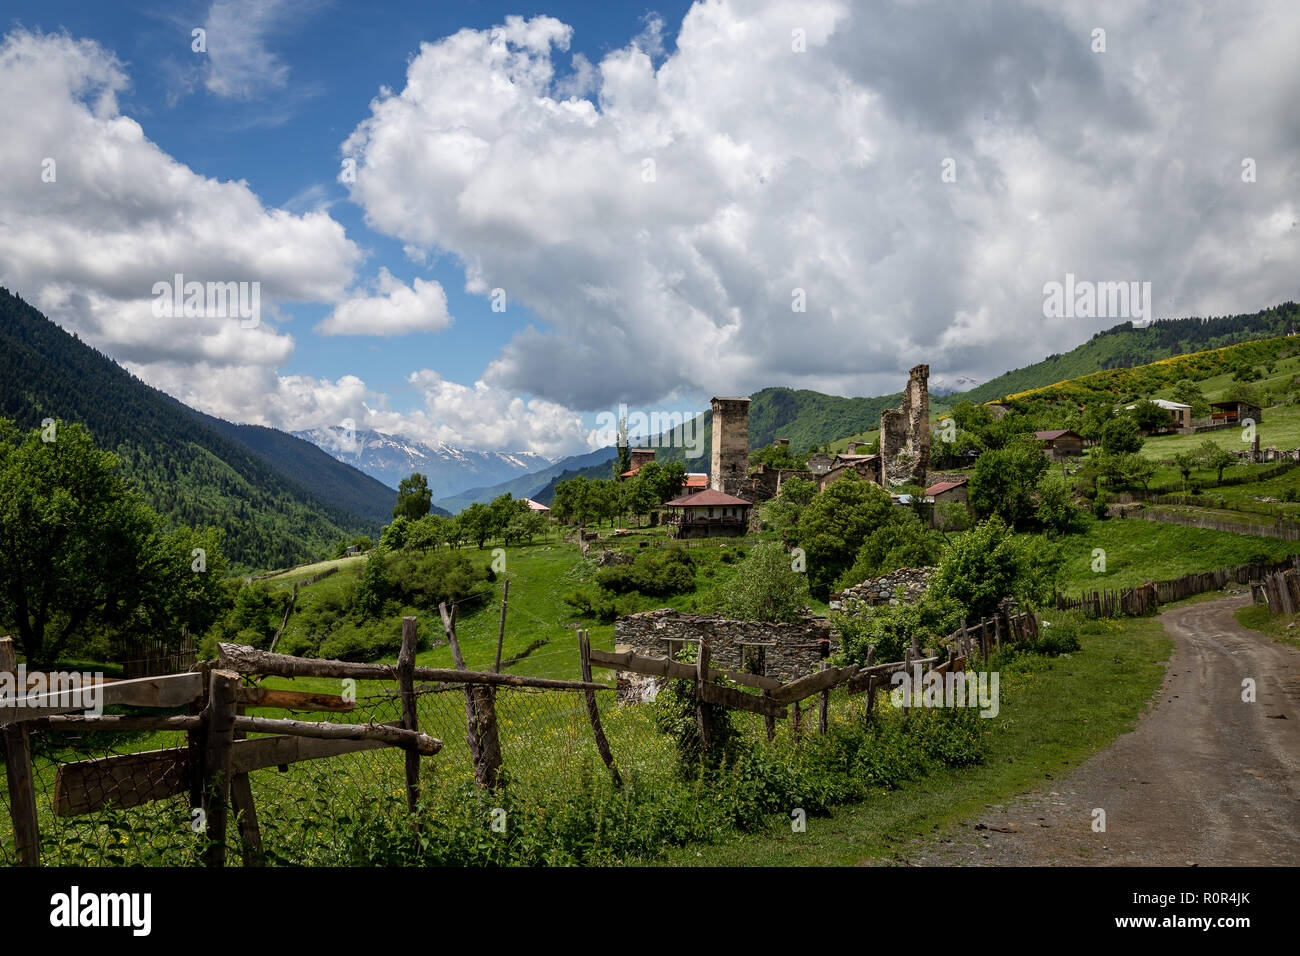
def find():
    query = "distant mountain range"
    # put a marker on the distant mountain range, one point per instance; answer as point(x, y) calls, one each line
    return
point(283, 498)
point(449, 470)
point(280, 500)
point(531, 484)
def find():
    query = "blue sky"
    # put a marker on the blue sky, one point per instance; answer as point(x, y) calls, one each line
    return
point(797, 152)
point(285, 143)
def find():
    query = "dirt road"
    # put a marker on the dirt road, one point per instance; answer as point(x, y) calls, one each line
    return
point(1204, 779)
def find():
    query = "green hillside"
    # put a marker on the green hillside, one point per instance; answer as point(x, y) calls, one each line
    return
point(1125, 347)
point(183, 463)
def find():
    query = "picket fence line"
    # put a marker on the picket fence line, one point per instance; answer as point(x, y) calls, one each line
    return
point(1280, 591)
point(1145, 598)
point(1284, 530)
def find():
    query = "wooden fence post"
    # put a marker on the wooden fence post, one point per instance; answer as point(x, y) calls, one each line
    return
point(480, 714)
point(703, 711)
point(410, 715)
point(501, 628)
point(216, 762)
point(18, 771)
point(241, 799)
point(593, 711)
point(824, 708)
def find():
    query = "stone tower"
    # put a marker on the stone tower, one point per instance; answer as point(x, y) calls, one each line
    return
point(905, 433)
point(730, 462)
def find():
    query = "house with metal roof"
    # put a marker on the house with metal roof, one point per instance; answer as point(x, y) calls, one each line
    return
point(708, 514)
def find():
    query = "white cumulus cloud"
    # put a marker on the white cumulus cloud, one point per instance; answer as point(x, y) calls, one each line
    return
point(395, 310)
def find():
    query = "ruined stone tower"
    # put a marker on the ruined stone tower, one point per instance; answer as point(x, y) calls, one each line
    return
point(905, 433)
point(730, 461)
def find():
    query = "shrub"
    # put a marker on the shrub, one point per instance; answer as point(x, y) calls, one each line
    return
point(674, 713)
point(656, 573)
point(988, 564)
point(766, 587)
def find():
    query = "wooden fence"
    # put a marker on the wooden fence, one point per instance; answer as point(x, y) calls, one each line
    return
point(1281, 590)
point(774, 697)
point(1145, 598)
point(152, 657)
point(213, 767)
point(1285, 530)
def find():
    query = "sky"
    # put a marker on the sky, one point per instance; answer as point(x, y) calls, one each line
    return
point(484, 224)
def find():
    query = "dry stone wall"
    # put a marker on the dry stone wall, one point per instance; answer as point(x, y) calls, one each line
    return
point(885, 589)
point(788, 651)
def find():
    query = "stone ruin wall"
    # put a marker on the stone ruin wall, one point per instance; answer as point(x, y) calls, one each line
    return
point(905, 433)
point(796, 649)
point(885, 589)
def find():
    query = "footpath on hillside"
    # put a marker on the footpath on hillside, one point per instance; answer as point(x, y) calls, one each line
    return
point(1204, 779)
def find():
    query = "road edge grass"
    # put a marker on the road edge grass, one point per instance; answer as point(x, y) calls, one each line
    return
point(1258, 618)
point(1053, 717)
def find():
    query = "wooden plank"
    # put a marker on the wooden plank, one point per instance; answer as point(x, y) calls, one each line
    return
point(249, 660)
point(666, 667)
point(117, 722)
point(171, 690)
point(18, 775)
point(739, 700)
point(123, 780)
point(292, 700)
point(261, 753)
point(813, 683)
point(250, 835)
point(128, 780)
point(393, 735)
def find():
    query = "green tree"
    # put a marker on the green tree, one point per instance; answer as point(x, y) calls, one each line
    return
point(1149, 416)
point(1189, 393)
point(80, 553)
point(989, 563)
point(777, 456)
point(901, 542)
point(375, 586)
point(414, 497)
point(396, 533)
point(766, 587)
point(833, 527)
point(1056, 509)
point(1119, 436)
point(477, 523)
point(639, 495)
point(1005, 480)
point(1135, 469)
point(1215, 458)
point(1185, 462)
